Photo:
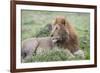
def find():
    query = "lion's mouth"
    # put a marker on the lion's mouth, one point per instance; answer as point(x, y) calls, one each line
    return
point(54, 40)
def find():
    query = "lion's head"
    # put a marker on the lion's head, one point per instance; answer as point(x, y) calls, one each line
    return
point(65, 34)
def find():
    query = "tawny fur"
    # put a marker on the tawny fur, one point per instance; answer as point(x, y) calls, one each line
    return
point(34, 46)
point(71, 42)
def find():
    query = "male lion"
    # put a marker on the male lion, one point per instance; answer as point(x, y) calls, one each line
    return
point(67, 36)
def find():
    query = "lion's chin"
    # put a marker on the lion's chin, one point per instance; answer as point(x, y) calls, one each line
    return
point(54, 40)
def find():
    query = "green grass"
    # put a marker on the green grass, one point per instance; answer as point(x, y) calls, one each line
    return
point(34, 25)
point(53, 55)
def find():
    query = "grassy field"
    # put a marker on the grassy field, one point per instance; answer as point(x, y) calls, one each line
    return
point(34, 23)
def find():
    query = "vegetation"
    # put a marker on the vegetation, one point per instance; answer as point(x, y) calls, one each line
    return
point(35, 24)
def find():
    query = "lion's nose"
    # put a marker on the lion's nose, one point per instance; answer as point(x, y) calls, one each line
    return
point(51, 35)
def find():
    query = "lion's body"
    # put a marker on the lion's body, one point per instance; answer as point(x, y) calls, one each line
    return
point(33, 46)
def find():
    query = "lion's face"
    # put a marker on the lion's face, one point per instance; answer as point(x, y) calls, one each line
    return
point(59, 33)
point(59, 30)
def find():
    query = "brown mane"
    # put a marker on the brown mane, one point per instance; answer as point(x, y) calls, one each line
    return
point(72, 40)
